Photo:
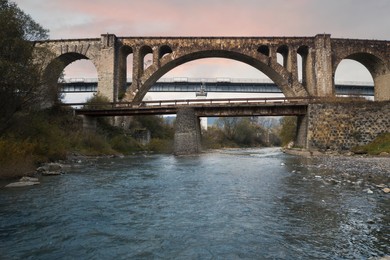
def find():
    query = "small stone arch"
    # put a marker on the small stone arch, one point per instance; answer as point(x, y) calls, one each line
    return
point(377, 67)
point(303, 51)
point(283, 50)
point(124, 53)
point(264, 49)
point(145, 50)
point(276, 72)
point(164, 50)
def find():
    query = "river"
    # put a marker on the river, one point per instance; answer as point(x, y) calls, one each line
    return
point(228, 204)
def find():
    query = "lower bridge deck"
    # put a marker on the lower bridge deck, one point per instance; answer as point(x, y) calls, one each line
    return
point(202, 107)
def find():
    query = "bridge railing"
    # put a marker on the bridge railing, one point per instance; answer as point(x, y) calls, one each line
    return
point(191, 102)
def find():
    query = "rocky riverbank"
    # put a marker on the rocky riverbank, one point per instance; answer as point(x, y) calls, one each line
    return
point(54, 169)
point(367, 172)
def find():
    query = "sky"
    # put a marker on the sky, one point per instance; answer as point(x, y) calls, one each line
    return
point(67, 19)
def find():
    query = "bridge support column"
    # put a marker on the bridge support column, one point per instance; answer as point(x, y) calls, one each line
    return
point(323, 66)
point(107, 68)
point(89, 123)
point(301, 134)
point(382, 87)
point(187, 139)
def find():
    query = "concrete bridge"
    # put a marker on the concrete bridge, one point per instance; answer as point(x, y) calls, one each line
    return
point(187, 137)
point(321, 124)
point(211, 85)
point(320, 54)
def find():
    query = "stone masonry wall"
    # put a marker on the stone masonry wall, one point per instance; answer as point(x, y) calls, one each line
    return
point(341, 126)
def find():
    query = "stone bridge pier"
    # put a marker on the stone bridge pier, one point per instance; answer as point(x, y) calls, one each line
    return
point(187, 139)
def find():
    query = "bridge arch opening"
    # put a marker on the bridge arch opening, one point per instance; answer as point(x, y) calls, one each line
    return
point(146, 56)
point(264, 49)
point(164, 50)
point(126, 57)
point(282, 55)
point(356, 79)
point(80, 74)
point(302, 57)
point(213, 78)
point(279, 75)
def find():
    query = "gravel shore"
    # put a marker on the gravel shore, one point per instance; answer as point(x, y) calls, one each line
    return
point(379, 166)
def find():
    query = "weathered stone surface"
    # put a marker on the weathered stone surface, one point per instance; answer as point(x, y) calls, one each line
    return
point(187, 138)
point(341, 126)
point(51, 169)
point(320, 55)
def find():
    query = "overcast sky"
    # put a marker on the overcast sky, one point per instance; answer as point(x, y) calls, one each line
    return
point(361, 19)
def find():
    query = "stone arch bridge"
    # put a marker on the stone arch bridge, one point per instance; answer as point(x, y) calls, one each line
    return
point(320, 56)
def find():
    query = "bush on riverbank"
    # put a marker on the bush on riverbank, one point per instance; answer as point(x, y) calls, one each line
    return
point(239, 132)
point(16, 156)
point(52, 134)
point(381, 144)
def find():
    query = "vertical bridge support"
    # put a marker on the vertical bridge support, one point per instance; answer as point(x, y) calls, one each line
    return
point(187, 133)
point(89, 123)
point(301, 134)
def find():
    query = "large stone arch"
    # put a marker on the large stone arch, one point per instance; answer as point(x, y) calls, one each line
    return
point(280, 75)
point(377, 67)
point(54, 68)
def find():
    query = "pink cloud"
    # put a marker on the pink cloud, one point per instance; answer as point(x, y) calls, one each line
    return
point(89, 19)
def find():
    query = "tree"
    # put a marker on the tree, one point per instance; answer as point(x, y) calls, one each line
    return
point(21, 64)
point(288, 129)
point(228, 124)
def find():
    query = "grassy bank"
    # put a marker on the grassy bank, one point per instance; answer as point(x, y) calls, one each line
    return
point(381, 144)
point(53, 134)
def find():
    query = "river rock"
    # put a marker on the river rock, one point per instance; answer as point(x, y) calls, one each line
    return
point(386, 190)
point(51, 169)
point(52, 173)
point(23, 182)
point(368, 191)
point(28, 179)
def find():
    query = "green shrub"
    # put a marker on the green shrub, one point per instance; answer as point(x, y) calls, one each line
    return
point(381, 144)
point(160, 145)
point(125, 144)
point(93, 144)
point(98, 102)
point(288, 129)
point(16, 157)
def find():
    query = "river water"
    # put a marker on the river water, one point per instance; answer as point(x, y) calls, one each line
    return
point(229, 204)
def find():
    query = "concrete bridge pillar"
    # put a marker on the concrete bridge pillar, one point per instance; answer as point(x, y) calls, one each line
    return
point(187, 139)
